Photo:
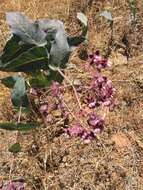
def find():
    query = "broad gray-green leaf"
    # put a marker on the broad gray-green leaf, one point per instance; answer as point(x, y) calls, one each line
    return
point(28, 61)
point(18, 126)
point(19, 95)
point(60, 49)
point(82, 18)
point(28, 31)
point(50, 26)
point(107, 15)
point(15, 148)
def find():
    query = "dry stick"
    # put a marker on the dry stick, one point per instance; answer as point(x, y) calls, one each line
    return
point(19, 114)
point(75, 92)
point(18, 121)
point(73, 115)
point(70, 111)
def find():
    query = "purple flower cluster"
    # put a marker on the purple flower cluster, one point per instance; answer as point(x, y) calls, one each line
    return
point(13, 186)
point(102, 90)
point(97, 60)
point(55, 89)
point(95, 125)
point(100, 93)
point(44, 109)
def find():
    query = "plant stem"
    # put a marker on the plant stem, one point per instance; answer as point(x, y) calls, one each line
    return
point(19, 114)
point(74, 116)
point(75, 92)
point(16, 139)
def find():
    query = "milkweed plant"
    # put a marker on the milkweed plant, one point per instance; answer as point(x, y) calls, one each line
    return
point(38, 51)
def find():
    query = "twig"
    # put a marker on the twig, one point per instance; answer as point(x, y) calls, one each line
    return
point(17, 134)
point(19, 114)
point(75, 92)
point(73, 115)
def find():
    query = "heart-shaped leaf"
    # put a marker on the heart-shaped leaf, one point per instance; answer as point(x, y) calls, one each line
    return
point(50, 26)
point(28, 61)
point(60, 50)
point(13, 48)
point(19, 95)
point(28, 31)
point(41, 80)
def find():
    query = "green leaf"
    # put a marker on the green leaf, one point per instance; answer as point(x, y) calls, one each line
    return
point(15, 148)
point(39, 80)
point(9, 81)
point(54, 76)
point(133, 8)
point(18, 126)
point(13, 49)
point(107, 15)
point(19, 95)
point(28, 61)
point(28, 31)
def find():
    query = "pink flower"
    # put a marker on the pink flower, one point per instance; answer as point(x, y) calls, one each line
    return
point(97, 60)
point(43, 108)
point(13, 186)
point(95, 122)
point(55, 89)
point(76, 130)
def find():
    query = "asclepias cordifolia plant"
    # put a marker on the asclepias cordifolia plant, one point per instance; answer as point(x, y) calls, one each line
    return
point(40, 49)
point(97, 94)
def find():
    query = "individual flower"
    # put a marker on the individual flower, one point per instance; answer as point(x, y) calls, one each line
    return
point(35, 92)
point(88, 136)
point(44, 109)
point(75, 131)
point(97, 60)
point(96, 122)
point(50, 119)
point(55, 89)
point(103, 90)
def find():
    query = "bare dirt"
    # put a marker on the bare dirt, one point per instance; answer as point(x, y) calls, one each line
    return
point(115, 160)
